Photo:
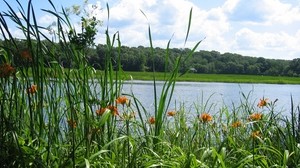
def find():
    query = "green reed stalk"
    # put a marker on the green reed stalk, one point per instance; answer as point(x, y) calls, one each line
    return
point(162, 104)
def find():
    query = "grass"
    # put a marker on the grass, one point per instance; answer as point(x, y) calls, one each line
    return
point(227, 78)
point(73, 121)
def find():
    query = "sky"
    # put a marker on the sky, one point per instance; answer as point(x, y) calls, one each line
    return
point(264, 28)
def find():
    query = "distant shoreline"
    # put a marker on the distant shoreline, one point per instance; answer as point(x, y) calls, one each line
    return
point(223, 78)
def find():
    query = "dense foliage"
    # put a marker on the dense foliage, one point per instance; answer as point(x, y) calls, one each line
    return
point(138, 59)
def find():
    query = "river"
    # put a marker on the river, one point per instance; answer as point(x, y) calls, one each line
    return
point(195, 94)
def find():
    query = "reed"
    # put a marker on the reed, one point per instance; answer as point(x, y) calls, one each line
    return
point(78, 117)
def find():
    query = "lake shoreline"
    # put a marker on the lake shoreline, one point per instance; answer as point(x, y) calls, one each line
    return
point(221, 78)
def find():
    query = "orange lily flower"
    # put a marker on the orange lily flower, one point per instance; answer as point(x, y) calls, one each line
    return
point(122, 100)
point(255, 134)
point(263, 102)
point(100, 111)
point(6, 70)
point(114, 110)
point(205, 117)
point(72, 123)
point(25, 54)
point(236, 124)
point(32, 89)
point(255, 116)
point(171, 113)
point(151, 120)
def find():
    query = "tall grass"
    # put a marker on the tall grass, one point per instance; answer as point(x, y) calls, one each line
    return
point(75, 118)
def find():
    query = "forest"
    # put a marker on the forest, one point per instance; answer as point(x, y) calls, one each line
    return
point(140, 59)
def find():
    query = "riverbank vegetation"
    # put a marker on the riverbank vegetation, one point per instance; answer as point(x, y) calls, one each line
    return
point(226, 78)
point(72, 121)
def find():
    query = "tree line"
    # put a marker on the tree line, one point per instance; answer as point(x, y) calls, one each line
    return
point(210, 62)
point(141, 59)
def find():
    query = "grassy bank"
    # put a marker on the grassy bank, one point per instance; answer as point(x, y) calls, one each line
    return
point(193, 77)
point(228, 78)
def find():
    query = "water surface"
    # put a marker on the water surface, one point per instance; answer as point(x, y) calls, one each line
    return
point(194, 94)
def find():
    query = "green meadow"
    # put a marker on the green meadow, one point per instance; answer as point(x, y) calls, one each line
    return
point(228, 78)
point(69, 120)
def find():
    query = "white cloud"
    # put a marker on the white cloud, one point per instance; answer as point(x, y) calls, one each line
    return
point(281, 12)
point(167, 18)
point(248, 41)
point(19, 15)
point(17, 33)
point(47, 19)
point(264, 12)
point(229, 5)
point(164, 17)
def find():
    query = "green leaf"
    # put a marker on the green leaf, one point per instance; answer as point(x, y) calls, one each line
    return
point(87, 163)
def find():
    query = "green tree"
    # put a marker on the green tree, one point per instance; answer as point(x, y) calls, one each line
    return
point(263, 64)
point(201, 68)
point(295, 66)
point(253, 69)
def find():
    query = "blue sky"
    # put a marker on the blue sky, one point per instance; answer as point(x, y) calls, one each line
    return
point(266, 28)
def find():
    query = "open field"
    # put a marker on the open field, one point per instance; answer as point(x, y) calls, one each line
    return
point(228, 78)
